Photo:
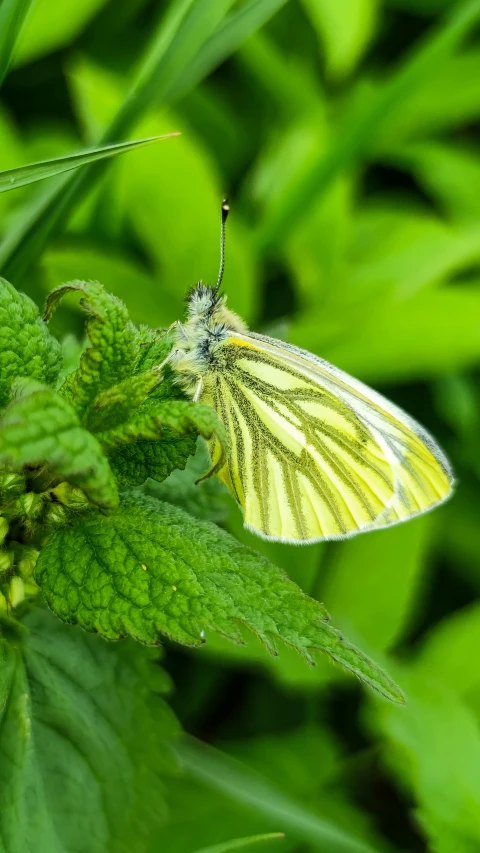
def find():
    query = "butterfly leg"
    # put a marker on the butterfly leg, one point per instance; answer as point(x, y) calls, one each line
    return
point(172, 355)
point(198, 390)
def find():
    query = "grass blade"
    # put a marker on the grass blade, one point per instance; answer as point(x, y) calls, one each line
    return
point(13, 178)
point(180, 36)
point(227, 38)
point(243, 785)
point(12, 17)
point(360, 130)
point(240, 843)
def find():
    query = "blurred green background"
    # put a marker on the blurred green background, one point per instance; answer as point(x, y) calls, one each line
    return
point(346, 134)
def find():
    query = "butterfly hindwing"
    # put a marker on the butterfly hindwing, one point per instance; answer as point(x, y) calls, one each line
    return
point(316, 454)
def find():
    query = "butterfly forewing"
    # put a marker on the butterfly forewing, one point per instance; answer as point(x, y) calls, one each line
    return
point(316, 454)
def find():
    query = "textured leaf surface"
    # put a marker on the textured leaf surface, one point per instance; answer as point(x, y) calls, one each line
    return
point(82, 743)
point(42, 428)
point(181, 416)
point(115, 405)
point(149, 569)
point(112, 356)
point(26, 346)
point(132, 464)
point(161, 435)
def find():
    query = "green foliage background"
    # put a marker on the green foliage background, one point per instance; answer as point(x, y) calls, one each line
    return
point(346, 134)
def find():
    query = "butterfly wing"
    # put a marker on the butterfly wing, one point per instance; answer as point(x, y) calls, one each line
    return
point(315, 453)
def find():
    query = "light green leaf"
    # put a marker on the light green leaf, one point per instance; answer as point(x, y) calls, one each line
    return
point(181, 33)
point(152, 190)
point(374, 582)
point(149, 569)
point(446, 652)
point(345, 29)
point(443, 336)
point(433, 747)
point(444, 98)
point(241, 843)
point(20, 177)
point(223, 774)
point(84, 738)
point(119, 273)
point(113, 353)
point(12, 18)
point(401, 252)
point(52, 25)
point(42, 429)
point(26, 346)
point(449, 173)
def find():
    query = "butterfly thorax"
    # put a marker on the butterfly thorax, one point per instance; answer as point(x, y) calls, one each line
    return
point(200, 340)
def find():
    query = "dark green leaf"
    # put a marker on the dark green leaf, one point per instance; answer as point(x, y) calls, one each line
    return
point(26, 346)
point(20, 177)
point(113, 353)
point(84, 741)
point(222, 773)
point(41, 428)
point(150, 569)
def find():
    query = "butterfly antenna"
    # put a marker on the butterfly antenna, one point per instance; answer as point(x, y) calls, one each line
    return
point(225, 212)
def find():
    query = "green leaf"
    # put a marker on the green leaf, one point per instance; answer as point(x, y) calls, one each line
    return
point(26, 346)
point(84, 739)
point(119, 403)
point(132, 464)
point(358, 133)
point(135, 463)
point(449, 173)
point(236, 28)
point(446, 652)
point(150, 188)
point(240, 843)
point(12, 18)
point(345, 29)
point(445, 97)
point(20, 177)
point(356, 590)
point(208, 499)
point(119, 273)
point(40, 428)
point(433, 747)
point(181, 33)
point(149, 569)
point(443, 336)
point(113, 353)
point(181, 416)
point(50, 26)
point(231, 778)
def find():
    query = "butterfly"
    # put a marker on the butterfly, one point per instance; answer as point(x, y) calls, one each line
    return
point(315, 454)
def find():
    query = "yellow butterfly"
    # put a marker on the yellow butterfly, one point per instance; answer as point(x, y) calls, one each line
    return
point(315, 454)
